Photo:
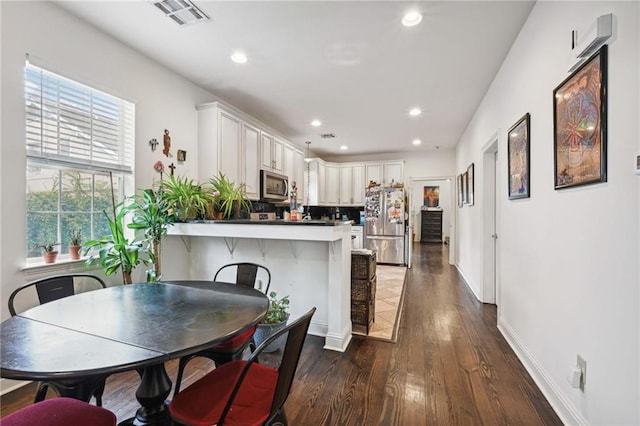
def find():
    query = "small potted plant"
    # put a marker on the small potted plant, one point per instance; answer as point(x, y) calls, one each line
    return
point(75, 244)
point(49, 252)
point(231, 200)
point(275, 320)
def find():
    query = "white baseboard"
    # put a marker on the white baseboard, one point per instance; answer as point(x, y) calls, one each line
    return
point(466, 281)
point(566, 410)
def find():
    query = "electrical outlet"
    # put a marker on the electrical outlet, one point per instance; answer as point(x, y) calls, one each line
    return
point(582, 365)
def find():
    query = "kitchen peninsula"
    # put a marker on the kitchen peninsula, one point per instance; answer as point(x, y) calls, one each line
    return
point(309, 260)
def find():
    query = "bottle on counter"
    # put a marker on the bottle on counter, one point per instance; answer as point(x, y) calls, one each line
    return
point(337, 214)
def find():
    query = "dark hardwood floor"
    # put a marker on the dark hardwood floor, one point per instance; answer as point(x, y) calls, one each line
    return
point(450, 366)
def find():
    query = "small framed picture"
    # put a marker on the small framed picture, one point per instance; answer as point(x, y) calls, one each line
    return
point(580, 124)
point(470, 184)
point(460, 197)
point(181, 155)
point(465, 189)
point(518, 154)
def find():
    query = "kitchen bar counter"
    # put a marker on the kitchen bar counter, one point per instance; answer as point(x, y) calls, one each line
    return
point(309, 260)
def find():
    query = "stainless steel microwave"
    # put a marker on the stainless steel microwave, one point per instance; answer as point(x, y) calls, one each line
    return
point(273, 187)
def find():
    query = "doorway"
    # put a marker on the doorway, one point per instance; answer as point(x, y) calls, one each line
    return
point(489, 221)
point(422, 192)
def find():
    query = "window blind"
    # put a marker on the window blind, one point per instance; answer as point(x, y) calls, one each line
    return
point(72, 125)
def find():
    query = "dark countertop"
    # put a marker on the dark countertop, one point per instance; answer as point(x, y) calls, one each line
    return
point(314, 222)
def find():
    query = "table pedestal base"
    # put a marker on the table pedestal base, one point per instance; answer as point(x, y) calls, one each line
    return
point(152, 393)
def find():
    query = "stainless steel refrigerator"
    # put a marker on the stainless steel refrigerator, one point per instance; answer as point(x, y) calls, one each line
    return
point(385, 224)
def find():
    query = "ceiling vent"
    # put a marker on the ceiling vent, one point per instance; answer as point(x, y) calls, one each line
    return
point(327, 136)
point(181, 11)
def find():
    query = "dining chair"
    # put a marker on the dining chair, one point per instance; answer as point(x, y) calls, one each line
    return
point(46, 290)
point(246, 274)
point(60, 412)
point(244, 392)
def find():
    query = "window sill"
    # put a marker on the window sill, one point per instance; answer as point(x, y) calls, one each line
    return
point(60, 265)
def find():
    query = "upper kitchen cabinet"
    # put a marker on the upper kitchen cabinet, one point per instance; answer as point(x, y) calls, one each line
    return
point(393, 171)
point(289, 165)
point(352, 184)
point(332, 184)
point(251, 166)
point(300, 171)
point(272, 153)
point(315, 183)
point(373, 172)
point(220, 143)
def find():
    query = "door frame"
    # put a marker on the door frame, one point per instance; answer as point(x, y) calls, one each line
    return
point(453, 224)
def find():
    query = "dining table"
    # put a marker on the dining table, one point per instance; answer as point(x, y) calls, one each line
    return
point(75, 342)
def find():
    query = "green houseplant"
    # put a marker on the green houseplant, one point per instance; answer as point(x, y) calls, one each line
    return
point(75, 244)
point(231, 198)
point(49, 253)
point(152, 213)
point(115, 251)
point(186, 197)
point(275, 319)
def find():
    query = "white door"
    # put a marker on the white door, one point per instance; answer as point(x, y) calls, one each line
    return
point(489, 234)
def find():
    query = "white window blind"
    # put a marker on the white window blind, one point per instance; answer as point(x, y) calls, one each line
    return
point(71, 125)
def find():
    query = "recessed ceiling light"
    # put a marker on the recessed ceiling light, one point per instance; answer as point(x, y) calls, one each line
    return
point(239, 57)
point(411, 19)
point(415, 112)
point(344, 147)
point(416, 142)
point(316, 123)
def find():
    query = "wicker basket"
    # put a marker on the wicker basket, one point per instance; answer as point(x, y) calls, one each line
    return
point(363, 290)
point(362, 313)
point(363, 266)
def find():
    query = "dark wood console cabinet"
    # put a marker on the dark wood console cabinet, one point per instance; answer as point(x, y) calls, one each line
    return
point(431, 226)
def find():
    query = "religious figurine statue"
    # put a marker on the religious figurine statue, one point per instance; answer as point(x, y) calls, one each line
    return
point(167, 143)
point(153, 143)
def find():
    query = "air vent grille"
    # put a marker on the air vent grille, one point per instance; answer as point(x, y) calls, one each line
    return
point(181, 11)
point(327, 136)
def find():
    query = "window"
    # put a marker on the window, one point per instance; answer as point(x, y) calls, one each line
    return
point(79, 145)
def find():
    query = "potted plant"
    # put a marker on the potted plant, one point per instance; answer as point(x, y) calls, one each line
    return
point(153, 214)
point(275, 319)
point(49, 252)
point(116, 251)
point(75, 244)
point(230, 198)
point(186, 197)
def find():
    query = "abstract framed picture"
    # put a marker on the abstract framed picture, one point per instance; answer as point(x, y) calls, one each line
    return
point(431, 196)
point(470, 185)
point(460, 198)
point(580, 124)
point(518, 151)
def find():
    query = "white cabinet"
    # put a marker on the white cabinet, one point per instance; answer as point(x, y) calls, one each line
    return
point(251, 166)
point(393, 172)
point(373, 172)
point(346, 184)
point(272, 153)
point(220, 143)
point(289, 165)
point(332, 184)
point(352, 184)
point(358, 184)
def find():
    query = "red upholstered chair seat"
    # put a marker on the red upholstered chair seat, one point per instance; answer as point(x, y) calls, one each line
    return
point(202, 403)
point(236, 341)
point(60, 412)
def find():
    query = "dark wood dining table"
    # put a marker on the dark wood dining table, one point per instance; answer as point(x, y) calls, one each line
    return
point(77, 341)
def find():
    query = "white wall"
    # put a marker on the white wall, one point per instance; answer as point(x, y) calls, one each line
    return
point(568, 279)
point(63, 44)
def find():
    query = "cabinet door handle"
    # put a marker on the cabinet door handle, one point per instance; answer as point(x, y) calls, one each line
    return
point(494, 236)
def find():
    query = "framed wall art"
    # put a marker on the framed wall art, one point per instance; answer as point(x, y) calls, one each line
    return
point(470, 184)
point(464, 188)
point(518, 152)
point(460, 198)
point(431, 196)
point(580, 124)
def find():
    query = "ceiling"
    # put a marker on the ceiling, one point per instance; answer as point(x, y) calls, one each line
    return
point(351, 65)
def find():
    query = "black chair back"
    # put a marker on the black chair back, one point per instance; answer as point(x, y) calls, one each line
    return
point(297, 332)
point(246, 274)
point(53, 288)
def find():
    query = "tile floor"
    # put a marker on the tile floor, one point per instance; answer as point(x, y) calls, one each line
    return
point(389, 293)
